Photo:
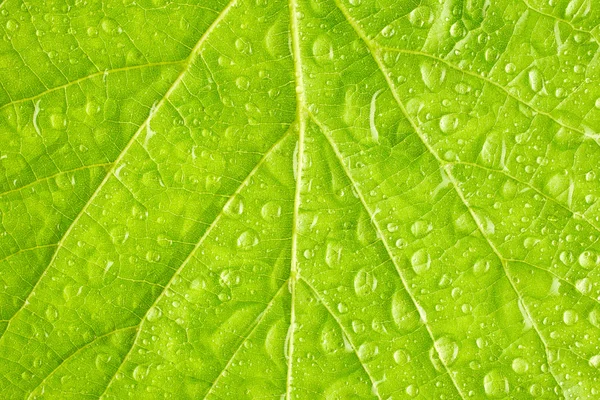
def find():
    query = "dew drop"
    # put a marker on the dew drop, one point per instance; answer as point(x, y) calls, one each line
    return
point(495, 384)
point(447, 350)
point(365, 283)
point(584, 286)
point(433, 75)
point(322, 50)
point(368, 351)
point(449, 123)
point(235, 207)
point(51, 313)
point(570, 317)
point(421, 17)
point(270, 211)
point(520, 365)
point(420, 261)
point(412, 390)
point(154, 314)
point(421, 228)
point(510, 68)
point(481, 267)
point(247, 240)
point(401, 357)
point(536, 80)
point(388, 31)
point(140, 372)
point(589, 259)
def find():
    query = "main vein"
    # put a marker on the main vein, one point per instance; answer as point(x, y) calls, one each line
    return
point(299, 165)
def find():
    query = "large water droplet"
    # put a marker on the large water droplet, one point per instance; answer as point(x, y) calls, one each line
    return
point(495, 384)
point(447, 350)
point(322, 50)
point(520, 365)
point(421, 17)
point(536, 79)
point(247, 239)
point(420, 261)
point(365, 282)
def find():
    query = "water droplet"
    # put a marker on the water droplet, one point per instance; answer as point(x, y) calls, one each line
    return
point(154, 314)
point(510, 68)
point(153, 256)
point(433, 75)
point(331, 340)
point(412, 390)
point(404, 314)
point(368, 351)
point(578, 9)
point(242, 83)
point(584, 286)
point(110, 26)
point(229, 278)
point(588, 259)
point(495, 384)
point(420, 261)
point(594, 317)
point(401, 243)
point(234, 207)
point(322, 49)
point(449, 123)
point(243, 45)
point(401, 357)
point(247, 239)
point(365, 282)
point(51, 313)
point(270, 211)
point(58, 121)
point(447, 350)
point(481, 267)
point(567, 257)
point(421, 17)
point(491, 54)
point(458, 29)
point(12, 25)
point(570, 317)
point(333, 254)
point(536, 80)
point(358, 326)
point(421, 228)
point(536, 390)
point(520, 365)
point(388, 31)
point(92, 31)
point(140, 372)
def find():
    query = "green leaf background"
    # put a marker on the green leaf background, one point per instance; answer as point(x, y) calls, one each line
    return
point(308, 199)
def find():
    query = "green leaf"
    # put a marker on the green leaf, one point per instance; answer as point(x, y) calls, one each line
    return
point(306, 199)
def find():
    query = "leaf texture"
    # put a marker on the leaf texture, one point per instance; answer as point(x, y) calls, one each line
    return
point(300, 199)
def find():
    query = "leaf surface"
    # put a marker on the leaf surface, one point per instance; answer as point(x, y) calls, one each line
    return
point(300, 199)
